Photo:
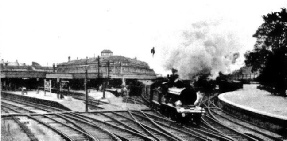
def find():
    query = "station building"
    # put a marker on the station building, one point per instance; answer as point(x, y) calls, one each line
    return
point(115, 68)
point(118, 70)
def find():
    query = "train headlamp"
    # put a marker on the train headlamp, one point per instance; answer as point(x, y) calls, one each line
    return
point(183, 114)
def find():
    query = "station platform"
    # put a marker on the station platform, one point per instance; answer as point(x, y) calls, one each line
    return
point(113, 103)
point(258, 101)
point(257, 106)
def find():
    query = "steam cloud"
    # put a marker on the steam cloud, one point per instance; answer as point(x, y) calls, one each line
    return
point(205, 48)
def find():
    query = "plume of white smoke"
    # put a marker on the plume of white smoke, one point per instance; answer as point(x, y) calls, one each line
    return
point(205, 48)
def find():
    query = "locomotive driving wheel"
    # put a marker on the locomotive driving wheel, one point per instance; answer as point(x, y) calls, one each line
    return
point(197, 119)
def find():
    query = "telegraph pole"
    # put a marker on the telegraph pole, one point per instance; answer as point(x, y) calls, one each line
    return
point(105, 82)
point(108, 72)
point(98, 66)
point(86, 77)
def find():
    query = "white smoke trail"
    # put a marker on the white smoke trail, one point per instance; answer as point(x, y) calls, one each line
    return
point(206, 47)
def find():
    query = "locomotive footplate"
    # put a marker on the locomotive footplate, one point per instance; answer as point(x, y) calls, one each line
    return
point(190, 109)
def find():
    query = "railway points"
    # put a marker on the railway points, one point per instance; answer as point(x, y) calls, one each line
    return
point(121, 123)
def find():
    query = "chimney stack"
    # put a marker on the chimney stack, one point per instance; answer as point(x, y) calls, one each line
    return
point(54, 67)
point(69, 59)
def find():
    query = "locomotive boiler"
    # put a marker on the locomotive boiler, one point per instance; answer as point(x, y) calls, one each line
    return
point(177, 100)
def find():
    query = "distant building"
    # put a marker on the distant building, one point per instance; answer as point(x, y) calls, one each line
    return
point(119, 67)
point(17, 67)
point(106, 53)
point(15, 75)
point(245, 73)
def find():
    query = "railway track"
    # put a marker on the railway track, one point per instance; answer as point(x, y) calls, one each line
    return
point(129, 123)
point(67, 129)
point(120, 125)
point(103, 122)
point(10, 108)
point(224, 130)
point(152, 131)
point(134, 100)
point(93, 129)
point(83, 126)
point(242, 125)
point(28, 107)
point(196, 131)
point(177, 132)
point(213, 125)
point(126, 125)
point(22, 126)
point(28, 103)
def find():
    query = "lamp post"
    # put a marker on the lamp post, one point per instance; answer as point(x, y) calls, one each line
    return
point(99, 67)
point(86, 90)
point(106, 81)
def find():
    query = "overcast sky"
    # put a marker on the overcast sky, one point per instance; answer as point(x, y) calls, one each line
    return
point(49, 31)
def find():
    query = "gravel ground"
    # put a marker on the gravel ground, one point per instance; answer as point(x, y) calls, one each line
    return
point(73, 104)
point(115, 103)
point(10, 131)
point(258, 100)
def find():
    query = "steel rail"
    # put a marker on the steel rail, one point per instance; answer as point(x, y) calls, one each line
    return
point(79, 130)
point(33, 104)
point(119, 122)
point(148, 128)
point(25, 129)
point(92, 124)
point(200, 132)
point(14, 106)
point(197, 136)
point(173, 124)
point(160, 128)
point(212, 112)
point(52, 128)
point(230, 129)
point(111, 125)
point(144, 127)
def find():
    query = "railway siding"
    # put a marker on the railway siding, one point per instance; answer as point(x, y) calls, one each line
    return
point(119, 125)
point(33, 100)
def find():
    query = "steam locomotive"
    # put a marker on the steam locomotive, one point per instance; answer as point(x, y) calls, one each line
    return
point(180, 101)
point(177, 100)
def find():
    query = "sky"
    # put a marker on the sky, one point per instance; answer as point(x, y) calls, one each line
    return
point(49, 31)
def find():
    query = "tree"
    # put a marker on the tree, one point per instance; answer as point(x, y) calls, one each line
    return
point(269, 55)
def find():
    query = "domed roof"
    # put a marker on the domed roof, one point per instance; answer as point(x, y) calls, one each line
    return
point(122, 59)
point(106, 51)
